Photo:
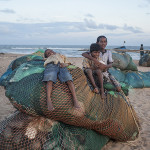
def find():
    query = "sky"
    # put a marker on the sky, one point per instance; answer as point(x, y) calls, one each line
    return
point(74, 22)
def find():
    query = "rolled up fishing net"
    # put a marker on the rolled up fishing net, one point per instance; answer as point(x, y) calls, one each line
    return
point(21, 131)
point(113, 116)
point(123, 61)
point(132, 79)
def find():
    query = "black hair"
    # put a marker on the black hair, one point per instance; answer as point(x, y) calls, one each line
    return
point(101, 36)
point(95, 47)
point(45, 53)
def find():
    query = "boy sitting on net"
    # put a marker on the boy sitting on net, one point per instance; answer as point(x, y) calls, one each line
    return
point(55, 66)
point(105, 63)
point(90, 68)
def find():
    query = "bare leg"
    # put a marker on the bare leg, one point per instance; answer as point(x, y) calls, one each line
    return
point(49, 92)
point(91, 78)
point(72, 89)
point(100, 78)
point(116, 83)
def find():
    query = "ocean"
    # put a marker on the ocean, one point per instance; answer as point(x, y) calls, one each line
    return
point(68, 50)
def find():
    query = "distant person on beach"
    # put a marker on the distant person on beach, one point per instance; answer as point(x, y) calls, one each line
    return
point(106, 57)
point(90, 68)
point(141, 52)
point(55, 65)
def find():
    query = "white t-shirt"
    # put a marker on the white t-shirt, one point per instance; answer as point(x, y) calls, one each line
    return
point(106, 57)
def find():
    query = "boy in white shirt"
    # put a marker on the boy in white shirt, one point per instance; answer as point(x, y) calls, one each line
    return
point(106, 57)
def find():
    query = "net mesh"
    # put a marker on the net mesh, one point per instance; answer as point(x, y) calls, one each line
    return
point(21, 131)
point(132, 79)
point(138, 79)
point(123, 61)
point(113, 116)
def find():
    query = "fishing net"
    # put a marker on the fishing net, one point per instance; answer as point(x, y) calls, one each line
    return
point(17, 62)
point(113, 83)
point(21, 131)
point(40, 52)
point(131, 79)
point(113, 116)
point(145, 60)
point(4, 76)
point(138, 79)
point(123, 61)
point(27, 92)
point(131, 66)
point(118, 74)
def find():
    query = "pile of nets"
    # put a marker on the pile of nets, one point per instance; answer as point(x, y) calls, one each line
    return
point(21, 131)
point(132, 79)
point(145, 60)
point(126, 72)
point(35, 126)
point(123, 61)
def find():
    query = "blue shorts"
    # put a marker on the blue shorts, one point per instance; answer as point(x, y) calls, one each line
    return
point(52, 71)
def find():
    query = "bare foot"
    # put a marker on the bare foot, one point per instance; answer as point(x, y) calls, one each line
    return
point(96, 90)
point(102, 93)
point(76, 104)
point(118, 88)
point(50, 106)
point(79, 109)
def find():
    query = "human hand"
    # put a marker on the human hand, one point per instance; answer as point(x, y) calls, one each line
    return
point(97, 63)
point(62, 65)
point(102, 66)
point(105, 69)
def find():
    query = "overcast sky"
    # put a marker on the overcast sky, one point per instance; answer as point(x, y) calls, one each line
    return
point(72, 22)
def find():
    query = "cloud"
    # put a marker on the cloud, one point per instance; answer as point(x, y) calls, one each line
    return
point(91, 24)
point(110, 27)
point(132, 29)
point(147, 13)
point(43, 32)
point(148, 1)
point(89, 15)
point(6, 29)
point(62, 27)
point(144, 4)
point(9, 11)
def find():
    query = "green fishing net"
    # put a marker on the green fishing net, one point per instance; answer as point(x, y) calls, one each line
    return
point(21, 131)
point(123, 61)
point(112, 117)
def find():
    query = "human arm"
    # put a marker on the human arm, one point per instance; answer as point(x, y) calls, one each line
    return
point(65, 62)
point(108, 66)
point(62, 65)
point(62, 60)
point(96, 62)
point(87, 55)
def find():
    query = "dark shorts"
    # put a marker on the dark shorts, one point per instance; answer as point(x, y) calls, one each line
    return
point(53, 71)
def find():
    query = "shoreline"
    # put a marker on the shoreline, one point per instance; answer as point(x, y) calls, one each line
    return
point(139, 99)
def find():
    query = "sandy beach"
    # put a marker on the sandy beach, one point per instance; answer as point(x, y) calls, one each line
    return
point(138, 97)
